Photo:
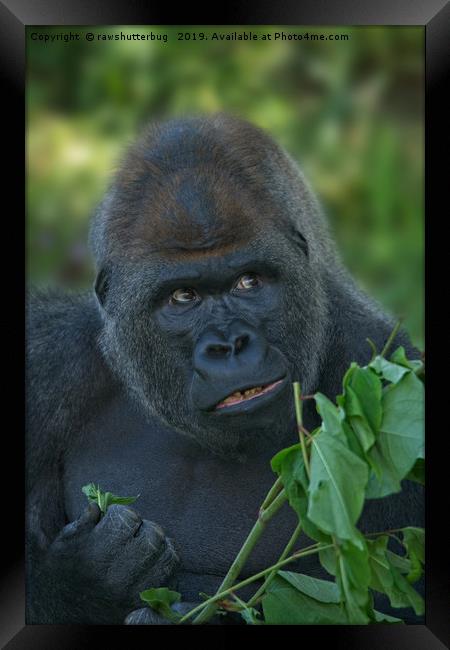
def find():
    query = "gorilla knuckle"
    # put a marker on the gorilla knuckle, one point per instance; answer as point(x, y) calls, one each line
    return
point(145, 616)
point(119, 522)
point(155, 553)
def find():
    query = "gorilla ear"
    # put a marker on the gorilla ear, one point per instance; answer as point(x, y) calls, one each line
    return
point(300, 240)
point(101, 285)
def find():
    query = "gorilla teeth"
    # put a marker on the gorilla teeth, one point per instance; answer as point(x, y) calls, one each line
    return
point(249, 393)
point(253, 391)
point(239, 396)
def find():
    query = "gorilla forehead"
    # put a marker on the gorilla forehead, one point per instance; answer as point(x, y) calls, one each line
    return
point(200, 209)
point(185, 188)
point(206, 184)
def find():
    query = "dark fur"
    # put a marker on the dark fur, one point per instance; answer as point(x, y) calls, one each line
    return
point(195, 195)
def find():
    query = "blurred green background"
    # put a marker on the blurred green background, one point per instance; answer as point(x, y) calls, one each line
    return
point(351, 113)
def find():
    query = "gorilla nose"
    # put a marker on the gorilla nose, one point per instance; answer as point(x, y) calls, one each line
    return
point(219, 350)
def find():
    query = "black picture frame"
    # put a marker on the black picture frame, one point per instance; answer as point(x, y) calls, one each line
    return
point(15, 16)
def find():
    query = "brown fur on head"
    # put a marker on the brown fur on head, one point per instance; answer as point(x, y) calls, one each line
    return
point(190, 187)
point(194, 210)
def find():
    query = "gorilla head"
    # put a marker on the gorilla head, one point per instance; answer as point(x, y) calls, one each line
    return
point(211, 254)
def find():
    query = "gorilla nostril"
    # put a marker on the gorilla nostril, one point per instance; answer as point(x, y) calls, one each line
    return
point(218, 350)
point(240, 343)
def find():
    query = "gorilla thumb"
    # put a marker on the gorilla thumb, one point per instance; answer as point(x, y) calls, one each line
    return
point(90, 517)
point(85, 522)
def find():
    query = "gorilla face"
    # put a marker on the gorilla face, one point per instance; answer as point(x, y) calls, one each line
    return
point(209, 298)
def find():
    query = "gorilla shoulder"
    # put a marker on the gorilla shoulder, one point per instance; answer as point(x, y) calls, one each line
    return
point(66, 375)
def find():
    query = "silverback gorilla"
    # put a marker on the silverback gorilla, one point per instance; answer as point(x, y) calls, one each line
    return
point(215, 275)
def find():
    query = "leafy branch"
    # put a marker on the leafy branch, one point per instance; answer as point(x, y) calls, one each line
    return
point(367, 444)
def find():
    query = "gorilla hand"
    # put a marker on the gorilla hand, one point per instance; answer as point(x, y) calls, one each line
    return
point(147, 616)
point(95, 568)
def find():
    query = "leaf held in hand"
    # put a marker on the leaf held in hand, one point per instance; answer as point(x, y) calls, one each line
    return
point(161, 600)
point(105, 499)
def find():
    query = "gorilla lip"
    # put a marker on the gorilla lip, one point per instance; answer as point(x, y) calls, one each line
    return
point(245, 395)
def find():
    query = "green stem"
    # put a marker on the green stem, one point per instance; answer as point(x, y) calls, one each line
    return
point(246, 549)
point(384, 532)
point(276, 504)
point(272, 493)
point(310, 550)
point(272, 575)
point(391, 338)
point(373, 348)
point(239, 601)
point(299, 416)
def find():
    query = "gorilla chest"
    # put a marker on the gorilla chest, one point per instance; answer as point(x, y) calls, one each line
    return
point(206, 505)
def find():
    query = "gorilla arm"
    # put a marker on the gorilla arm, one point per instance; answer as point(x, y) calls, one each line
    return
point(66, 381)
point(90, 570)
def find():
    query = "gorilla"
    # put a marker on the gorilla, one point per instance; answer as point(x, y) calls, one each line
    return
point(217, 286)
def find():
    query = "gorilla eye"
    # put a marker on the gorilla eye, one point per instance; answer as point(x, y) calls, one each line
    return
point(183, 296)
point(247, 281)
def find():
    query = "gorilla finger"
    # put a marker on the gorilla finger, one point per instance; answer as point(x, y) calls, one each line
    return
point(149, 538)
point(157, 564)
point(85, 522)
point(120, 523)
point(146, 616)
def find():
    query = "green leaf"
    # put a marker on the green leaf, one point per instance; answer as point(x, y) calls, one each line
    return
point(277, 461)
point(251, 616)
point(401, 438)
point(353, 578)
point(399, 357)
point(331, 418)
point(90, 490)
point(358, 421)
point(336, 490)
point(105, 499)
point(417, 474)
point(387, 578)
point(390, 371)
point(328, 559)
point(398, 365)
point(161, 600)
point(414, 541)
point(323, 590)
point(102, 498)
point(289, 464)
point(350, 565)
point(353, 441)
point(380, 617)
point(400, 562)
point(361, 402)
point(285, 604)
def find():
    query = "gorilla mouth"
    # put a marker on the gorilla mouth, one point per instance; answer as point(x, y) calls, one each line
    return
point(240, 396)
